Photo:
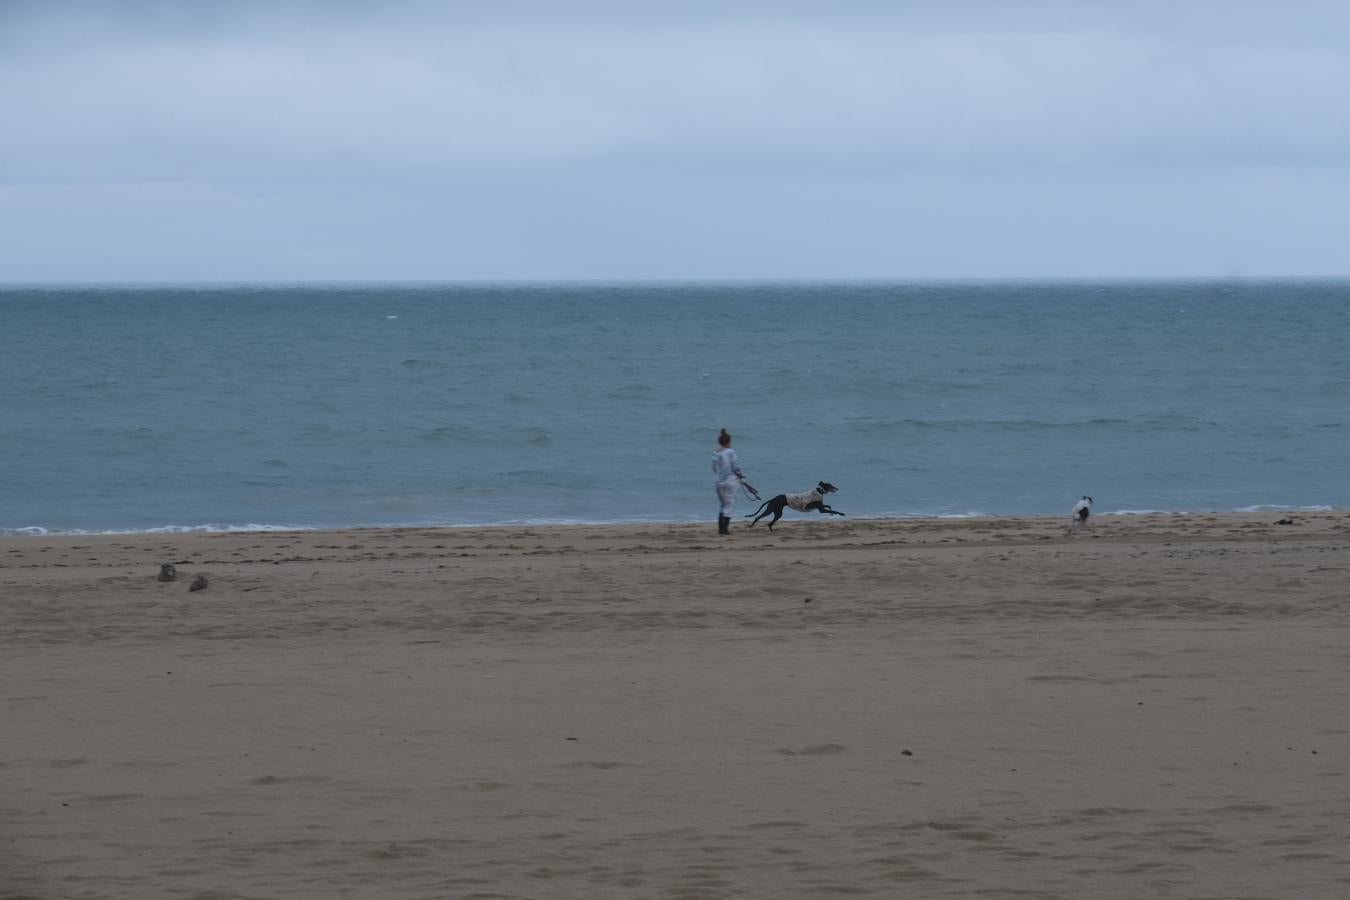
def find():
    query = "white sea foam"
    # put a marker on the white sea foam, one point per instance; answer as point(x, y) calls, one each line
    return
point(223, 529)
point(870, 517)
point(1145, 512)
point(39, 531)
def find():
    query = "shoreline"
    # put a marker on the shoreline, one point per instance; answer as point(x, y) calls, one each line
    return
point(1263, 515)
point(966, 708)
point(169, 530)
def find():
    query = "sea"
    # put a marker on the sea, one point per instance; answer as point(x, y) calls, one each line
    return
point(164, 408)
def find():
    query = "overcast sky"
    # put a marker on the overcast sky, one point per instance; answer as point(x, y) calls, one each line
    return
point(624, 140)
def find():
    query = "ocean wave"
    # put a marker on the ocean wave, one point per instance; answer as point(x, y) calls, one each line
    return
point(469, 436)
point(39, 531)
point(900, 426)
point(634, 391)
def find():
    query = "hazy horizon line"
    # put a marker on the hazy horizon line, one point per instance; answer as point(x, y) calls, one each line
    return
point(527, 281)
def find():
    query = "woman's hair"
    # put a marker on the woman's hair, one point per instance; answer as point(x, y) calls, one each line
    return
point(724, 438)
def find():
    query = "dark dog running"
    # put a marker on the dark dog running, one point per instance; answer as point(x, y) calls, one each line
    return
point(813, 499)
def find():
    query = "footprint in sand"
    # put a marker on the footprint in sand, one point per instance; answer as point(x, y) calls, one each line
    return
point(284, 779)
point(817, 750)
point(396, 851)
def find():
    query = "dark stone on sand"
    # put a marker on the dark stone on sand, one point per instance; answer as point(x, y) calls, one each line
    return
point(198, 584)
point(167, 572)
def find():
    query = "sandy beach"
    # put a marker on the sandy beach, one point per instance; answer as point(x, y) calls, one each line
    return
point(1158, 706)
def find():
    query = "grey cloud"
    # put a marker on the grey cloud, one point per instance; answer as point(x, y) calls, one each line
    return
point(531, 139)
point(459, 87)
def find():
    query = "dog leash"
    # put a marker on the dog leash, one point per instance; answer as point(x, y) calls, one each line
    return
point(749, 490)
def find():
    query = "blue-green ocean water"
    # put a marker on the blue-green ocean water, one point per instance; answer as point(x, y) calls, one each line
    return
point(131, 408)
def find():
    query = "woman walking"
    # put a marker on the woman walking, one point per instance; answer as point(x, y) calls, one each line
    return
point(729, 477)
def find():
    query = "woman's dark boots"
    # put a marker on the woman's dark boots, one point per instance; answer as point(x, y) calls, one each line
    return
point(724, 524)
